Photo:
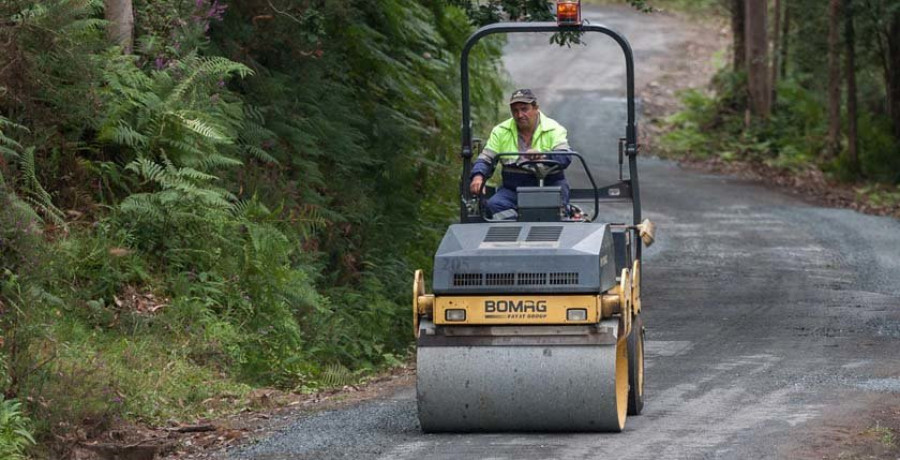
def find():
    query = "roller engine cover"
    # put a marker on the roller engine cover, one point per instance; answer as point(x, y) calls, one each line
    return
point(525, 257)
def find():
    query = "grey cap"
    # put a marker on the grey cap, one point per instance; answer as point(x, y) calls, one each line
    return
point(522, 95)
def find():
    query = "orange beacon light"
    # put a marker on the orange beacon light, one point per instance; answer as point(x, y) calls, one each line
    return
point(568, 12)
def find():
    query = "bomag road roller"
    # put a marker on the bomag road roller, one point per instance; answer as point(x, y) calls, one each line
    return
point(535, 324)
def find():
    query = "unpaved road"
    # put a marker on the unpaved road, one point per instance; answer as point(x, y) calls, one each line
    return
point(773, 326)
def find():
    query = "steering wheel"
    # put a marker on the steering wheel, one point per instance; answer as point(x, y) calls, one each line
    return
point(541, 168)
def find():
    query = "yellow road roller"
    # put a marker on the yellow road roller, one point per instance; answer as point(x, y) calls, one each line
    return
point(534, 324)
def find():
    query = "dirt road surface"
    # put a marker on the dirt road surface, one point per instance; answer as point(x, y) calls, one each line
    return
point(773, 326)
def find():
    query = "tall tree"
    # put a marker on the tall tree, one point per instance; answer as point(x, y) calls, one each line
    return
point(885, 18)
point(833, 144)
point(757, 45)
point(850, 70)
point(120, 14)
point(776, 30)
point(892, 70)
point(737, 32)
point(785, 38)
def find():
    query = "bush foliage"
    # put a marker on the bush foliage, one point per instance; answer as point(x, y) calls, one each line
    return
point(717, 121)
point(239, 202)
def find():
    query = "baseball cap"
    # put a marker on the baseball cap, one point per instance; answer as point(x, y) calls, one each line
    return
point(522, 95)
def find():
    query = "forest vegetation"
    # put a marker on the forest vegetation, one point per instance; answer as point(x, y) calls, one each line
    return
point(810, 84)
point(202, 197)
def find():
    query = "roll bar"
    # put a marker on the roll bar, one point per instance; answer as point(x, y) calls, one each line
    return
point(631, 146)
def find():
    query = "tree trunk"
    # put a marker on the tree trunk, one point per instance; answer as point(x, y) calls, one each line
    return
point(893, 73)
point(776, 30)
point(120, 14)
point(852, 136)
point(757, 45)
point(833, 145)
point(739, 63)
point(785, 38)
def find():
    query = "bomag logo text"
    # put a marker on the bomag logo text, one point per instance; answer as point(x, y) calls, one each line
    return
point(513, 306)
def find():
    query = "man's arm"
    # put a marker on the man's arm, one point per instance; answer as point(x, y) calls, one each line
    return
point(484, 165)
point(562, 145)
point(481, 170)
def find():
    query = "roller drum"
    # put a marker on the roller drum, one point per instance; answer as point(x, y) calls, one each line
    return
point(523, 387)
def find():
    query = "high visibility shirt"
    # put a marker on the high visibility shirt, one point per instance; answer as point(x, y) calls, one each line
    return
point(548, 136)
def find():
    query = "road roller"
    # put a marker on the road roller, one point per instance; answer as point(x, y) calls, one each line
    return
point(534, 324)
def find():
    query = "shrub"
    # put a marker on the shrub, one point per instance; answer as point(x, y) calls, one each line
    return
point(15, 430)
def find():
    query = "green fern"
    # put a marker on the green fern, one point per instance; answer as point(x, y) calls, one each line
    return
point(35, 199)
point(162, 114)
point(203, 128)
point(204, 68)
point(180, 139)
point(8, 145)
point(35, 192)
point(192, 186)
point(254, 134)
point(15, 430)
point(336, 375)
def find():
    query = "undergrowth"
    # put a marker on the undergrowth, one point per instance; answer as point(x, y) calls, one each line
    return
point(713, 124)
point(220, 210)
point(15, 430)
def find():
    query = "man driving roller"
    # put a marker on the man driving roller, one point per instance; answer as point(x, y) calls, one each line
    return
point(528, 132)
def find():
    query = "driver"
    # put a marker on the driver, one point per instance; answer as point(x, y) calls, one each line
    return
point(528, 132)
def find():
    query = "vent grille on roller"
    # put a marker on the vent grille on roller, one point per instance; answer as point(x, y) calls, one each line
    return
point(499, 279)
point(502, 234)
point(532, 279)
point(467, 279)
point(515, 279)
point(544, 234)
point(563, 279)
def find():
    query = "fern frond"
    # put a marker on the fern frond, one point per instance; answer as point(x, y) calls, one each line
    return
point(145, 168)
point(259, 154)
point(204, 129)
point(181, 148)
point(220, 66)
point(214, 161)
point(308, 220)
point(191, 173)
point(8, 145)
point(197, 68)
point(50, 212)
point(36, 194)
point(124, 135)
point(335, 375)
point(141, 204)
point(83, 26)
point(8, 153)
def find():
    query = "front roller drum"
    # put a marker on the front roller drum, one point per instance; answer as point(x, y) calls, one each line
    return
point(523, 387)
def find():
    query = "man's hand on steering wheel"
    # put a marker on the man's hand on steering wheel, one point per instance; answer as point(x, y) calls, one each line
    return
point(533, 155)
point(539, 165)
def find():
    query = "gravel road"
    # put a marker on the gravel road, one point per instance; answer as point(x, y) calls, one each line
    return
point(767, 318)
